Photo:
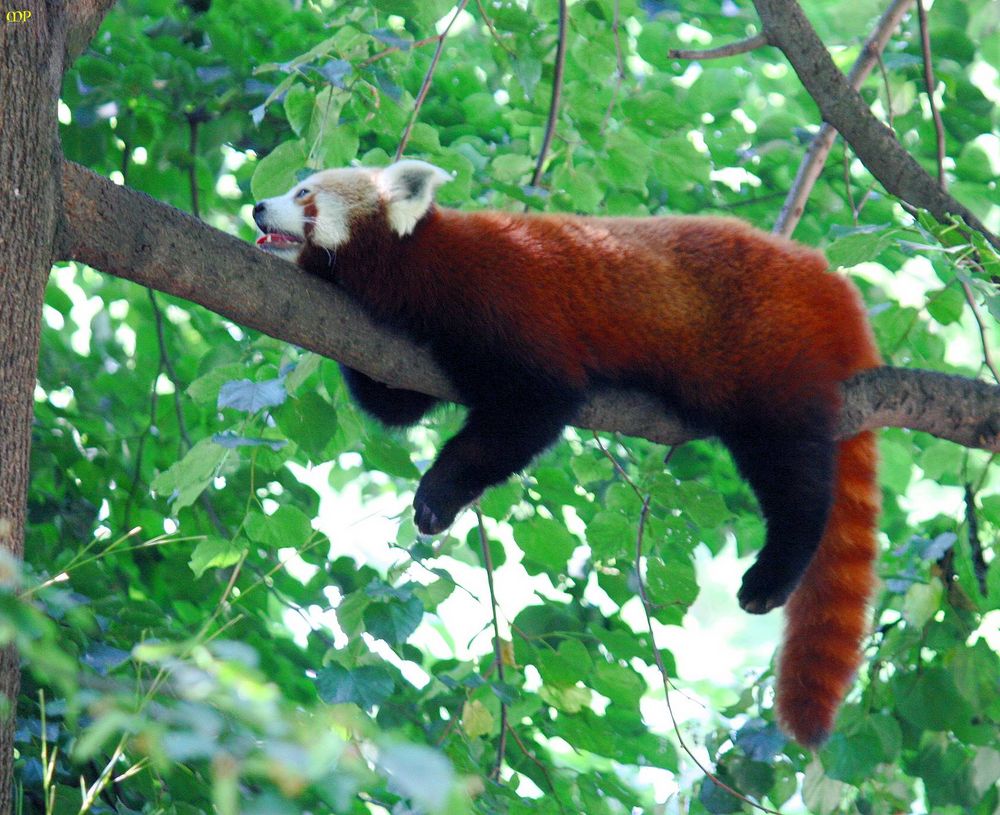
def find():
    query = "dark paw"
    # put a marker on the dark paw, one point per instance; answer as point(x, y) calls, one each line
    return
point(763, 589)
point(435, 508)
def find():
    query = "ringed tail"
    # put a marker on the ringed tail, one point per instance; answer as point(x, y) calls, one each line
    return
point(827, 615)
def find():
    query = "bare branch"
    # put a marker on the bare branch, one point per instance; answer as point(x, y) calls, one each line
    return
point(840, 105)
point(557, 82)
point(729, 50)
point(83, 18)
point(619, 65)
point(426, 84)
point(970, 298)
point(484, 546)
point(930, 84)
point(128, 234)
point(815, 157)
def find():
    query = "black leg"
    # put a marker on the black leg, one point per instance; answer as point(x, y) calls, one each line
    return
point(792, 475)
point(495, 442)
point(395, 407)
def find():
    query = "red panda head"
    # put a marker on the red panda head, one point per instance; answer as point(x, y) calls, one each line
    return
point(325, 208)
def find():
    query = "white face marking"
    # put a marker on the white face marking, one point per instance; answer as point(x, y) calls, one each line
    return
point(284, 214)
point(330, 227)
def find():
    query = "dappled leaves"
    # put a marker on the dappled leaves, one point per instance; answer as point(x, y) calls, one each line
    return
point(249, 649)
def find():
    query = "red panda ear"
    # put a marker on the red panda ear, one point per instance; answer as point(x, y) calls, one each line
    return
point(408, 187)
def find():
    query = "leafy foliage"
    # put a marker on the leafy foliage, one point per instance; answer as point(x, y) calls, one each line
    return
point(200, 626)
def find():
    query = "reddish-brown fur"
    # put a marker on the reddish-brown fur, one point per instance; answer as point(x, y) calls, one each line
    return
point(742, 333)
point(827, 615)
point(727, 314)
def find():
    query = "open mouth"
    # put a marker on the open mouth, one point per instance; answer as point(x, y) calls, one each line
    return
point(278, 240)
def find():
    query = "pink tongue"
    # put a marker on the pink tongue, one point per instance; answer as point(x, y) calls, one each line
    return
point(276, 238)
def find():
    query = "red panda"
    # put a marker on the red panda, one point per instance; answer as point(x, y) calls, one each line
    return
point(741, 334)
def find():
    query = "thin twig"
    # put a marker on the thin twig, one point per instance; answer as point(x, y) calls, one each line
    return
point(392, 49)
point(493, 31)
point(930, 84)
point(497, 646)
point(557, 82)
point(887, 86)
point(815, 157)
point(534, 760)
point(978, 561)
point(890, 123)
point(619, 65)
point(729, 50)
point(647, 607)
point(167, 363)
point(618, 467)
point(987, 356)
point(426, 84)
point(194, 119)
point(847, 184)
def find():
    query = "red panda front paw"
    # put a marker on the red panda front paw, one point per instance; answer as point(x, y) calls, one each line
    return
point(435, 508)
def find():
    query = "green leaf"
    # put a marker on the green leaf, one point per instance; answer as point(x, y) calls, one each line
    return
point(420, 773)
point(186, 479)
point(298, 107)
point(215, 553)
point(435, 593)
point(921, 602)
point(930, 700)
point(611, 535)
point(671, 587)
point(277, 172)
point(287, 526)
point(249, 396)
point(365, 686)
point(476, 719)
point(858, 246)
point(568, 664)
point(946, 305)
point(569, 699)
point(350, 612)
point(310, 421)
point(545, 542)
point(619, 683)
point(384, 453)
point(511, 168)
point(393, 621)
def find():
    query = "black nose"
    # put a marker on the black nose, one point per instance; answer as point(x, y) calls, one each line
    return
point(258, 210)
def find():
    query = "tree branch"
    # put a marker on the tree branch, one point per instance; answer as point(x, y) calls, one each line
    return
point(557, 82)
point(812, 163)
point(426, 84)
point(930, 84)
point(83, 18)
point(130, 235)
point(787, 28)
point(729, 50)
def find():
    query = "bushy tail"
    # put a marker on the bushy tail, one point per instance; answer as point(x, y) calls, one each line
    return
point(827, 614)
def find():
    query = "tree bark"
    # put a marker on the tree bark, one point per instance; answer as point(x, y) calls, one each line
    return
point(30, 75)
point(128, 234)
point(33, 55)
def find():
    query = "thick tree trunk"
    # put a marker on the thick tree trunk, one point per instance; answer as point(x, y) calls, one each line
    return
point(31, 58)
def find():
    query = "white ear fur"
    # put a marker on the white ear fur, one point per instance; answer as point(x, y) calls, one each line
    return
point(408, 187)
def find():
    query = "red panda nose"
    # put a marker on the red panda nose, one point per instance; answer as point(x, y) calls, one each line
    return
point(258, 210)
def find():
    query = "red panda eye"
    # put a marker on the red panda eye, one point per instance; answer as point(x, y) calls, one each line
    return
point(302, 193)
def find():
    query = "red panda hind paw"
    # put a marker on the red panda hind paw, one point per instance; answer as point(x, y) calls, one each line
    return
point(762, 592)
